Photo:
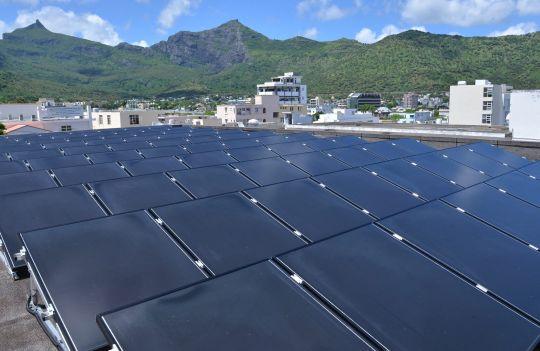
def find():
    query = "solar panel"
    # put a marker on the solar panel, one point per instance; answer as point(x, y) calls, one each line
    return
point(355, 157)
point(532, 170)
point(270, 313)
point(412, 146)
point(385, 149)
point(138, 193)
point(499, 154)
point(77, 150)
point(90, 173)
point(369, 192)
point(252, 153)
point(169, 142)
point(270, 171)
point(163, 151)
point(414, 179)
point(316, 163)
point(241, 143)
point(205, 147)
point(129, 145)
point(476, 161)
point(236, 237)
point(449, 169)
point(153, 165)
point(210, 181)
point(49, 207)
point(312, 211)
point(58, 162)
point(519, 185)
point(12, 167)
point(28, 181)
point(204, 159)
point(114, 156)
point(129, 257)
point(488, 257)
point(402, 299)
point(503, 211)
point(27, 155)
point(321, 144)
point(296, 147)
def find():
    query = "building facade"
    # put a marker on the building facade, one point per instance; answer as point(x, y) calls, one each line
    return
point(103, 119)
point(288, 88)
point(343, 115)
point(524, 116)
point(357, 100)
point(480, 104)
point(410, 101)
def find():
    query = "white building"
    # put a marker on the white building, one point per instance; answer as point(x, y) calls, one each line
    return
point(524, 116)
point(288, 87)
point(346, 115)
point(103, 119)
point(478, 104)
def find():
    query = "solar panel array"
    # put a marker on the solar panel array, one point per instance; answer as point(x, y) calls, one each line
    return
point(198, 238)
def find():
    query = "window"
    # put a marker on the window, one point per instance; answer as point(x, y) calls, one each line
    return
point(133, 119)
point(21, 118)
point(100, 119)
point(276, 114)
point(66, 128)
point(34, 118)
point(488, 92)
point(487, 105)
point(108, 119)
point(486, 118)
point(10, 117)
point(264, 109)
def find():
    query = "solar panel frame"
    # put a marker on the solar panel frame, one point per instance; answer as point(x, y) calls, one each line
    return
point(252, 153)
point(57, 162)
point(290, 148)
point(476, 161)
point(355, 157)
point(316, 163)
point(114, 156)
point(88, 174)
point(27, 181)
point(205, 159)
point(10, 167)
point(270, 171)
point(163, 151)
point(499, 154)
point(146, 166)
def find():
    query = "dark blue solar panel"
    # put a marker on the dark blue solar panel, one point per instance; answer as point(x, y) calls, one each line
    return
point(449, 169)
point(519, 185)
point(316, 163)
point(210, 181)
point(90, 173)
point(129, 146)
point(241, 143)
point(385, 149)
point(113, 156)
point(163, 151)
point(321, 144)
point(58, 162)
point(205, 147)
point(296, 147)
point(137, 193)
point(252, 153)
point(205, 159)
point(476, 161)
point(532, 170)
point(49, 207)
point(310, 209)
point(238, 234)
point(270, 170)
point(499, 154)
point(28, 181)
point(369, 192)
point(274, 139)
point(77, 150)
point(286, 318)
point(169, 142)
point(504, 211)
point(413, 146)
point(355, 157)
point(201, 139)
point(28, 155)
point(12, 167)
point(414, 179)
point(153, 165)
point(99, 265)
point(488, 257)
point(404, 300)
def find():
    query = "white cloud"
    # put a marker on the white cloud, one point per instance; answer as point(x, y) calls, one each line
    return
point(142, 43)
point(528, 7)
point(518, 29)
point(88, 25)
point(175, 9)
point(462, 13)
point(3, 28)
point(368, 36)
point(324, 10)
point(311, 33)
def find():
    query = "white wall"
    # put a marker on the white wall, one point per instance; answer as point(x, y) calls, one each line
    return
point(16, 110)
point(524, 116)
point(466, 105)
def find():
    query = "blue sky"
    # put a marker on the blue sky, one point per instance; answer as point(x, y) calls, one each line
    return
point(148, 21)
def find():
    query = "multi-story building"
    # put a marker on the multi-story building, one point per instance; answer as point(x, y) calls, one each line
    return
point(524, 116)
point(480, 104)
point(410, 101)
point(288, 88)
point(105, 119)
point(357, 100)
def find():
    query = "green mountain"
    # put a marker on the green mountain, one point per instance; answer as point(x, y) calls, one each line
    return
point(232, 58)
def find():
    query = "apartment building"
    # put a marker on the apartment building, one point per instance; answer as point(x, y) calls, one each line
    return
point(410, 101)
point(357, 100)
point(480, 104)
point(104, 119)
point(288, 88)
point(524, 116)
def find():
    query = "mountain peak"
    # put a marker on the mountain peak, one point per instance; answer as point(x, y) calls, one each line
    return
point(38, 25)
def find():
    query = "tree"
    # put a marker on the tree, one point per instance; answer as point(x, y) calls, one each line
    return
point(367, 108)
point(2, 128)
point(395, 117)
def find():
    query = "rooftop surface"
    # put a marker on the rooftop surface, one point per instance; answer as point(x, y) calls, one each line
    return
point(361, 243)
